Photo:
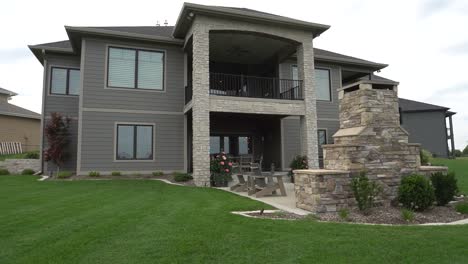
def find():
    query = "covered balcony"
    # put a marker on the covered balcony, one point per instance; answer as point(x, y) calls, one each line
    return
point(246, 64)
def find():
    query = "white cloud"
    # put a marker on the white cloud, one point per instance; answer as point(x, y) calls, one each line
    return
point(422, 40)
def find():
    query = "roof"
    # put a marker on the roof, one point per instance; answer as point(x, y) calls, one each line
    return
point(163, 31)
point(379, 80)
point(184, 20)
point(7, 92)
point(415, 106)
point(13, 110)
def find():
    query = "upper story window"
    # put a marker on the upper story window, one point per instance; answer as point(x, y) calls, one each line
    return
point(322, 80)
point(322, 136)
point(135, 69)
point(65, 81)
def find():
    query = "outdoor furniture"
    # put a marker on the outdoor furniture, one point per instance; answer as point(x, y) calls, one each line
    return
point(273, 182)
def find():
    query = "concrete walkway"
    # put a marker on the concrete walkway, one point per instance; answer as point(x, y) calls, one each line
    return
point(285, 203)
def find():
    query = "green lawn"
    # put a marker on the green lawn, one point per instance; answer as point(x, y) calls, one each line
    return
point(460, 167)
point(144, 221)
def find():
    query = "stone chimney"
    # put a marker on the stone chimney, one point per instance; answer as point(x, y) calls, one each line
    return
point(370, 138)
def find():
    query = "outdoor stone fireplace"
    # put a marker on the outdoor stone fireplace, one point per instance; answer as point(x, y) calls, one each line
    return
point(370, 140)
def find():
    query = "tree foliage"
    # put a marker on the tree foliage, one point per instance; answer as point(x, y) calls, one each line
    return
point(58, 138)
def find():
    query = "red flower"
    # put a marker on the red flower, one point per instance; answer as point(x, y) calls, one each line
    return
point(226, 170)
point(230, 163)
point(222, 163)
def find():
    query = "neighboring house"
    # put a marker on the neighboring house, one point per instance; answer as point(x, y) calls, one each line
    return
point(159, 98)
point(427, 124)
point(18, 124)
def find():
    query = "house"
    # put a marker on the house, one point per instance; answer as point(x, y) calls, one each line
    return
point(427, 124)
point(160, 98)
point(18, 124)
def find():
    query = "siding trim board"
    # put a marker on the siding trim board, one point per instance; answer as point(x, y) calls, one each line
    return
point(153, 147)
point(80, 107)
point(129, 111)
point(136, 48)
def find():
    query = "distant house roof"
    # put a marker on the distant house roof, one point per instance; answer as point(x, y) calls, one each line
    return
point(4, 91)
point(415, 106)
point(13, 110)
point(166, 32)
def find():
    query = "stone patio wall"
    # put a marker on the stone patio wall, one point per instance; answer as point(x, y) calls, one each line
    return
point(16, 166)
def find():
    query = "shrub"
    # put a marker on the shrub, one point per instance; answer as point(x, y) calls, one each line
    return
point(445, 187)
point(462, 208)
point(457, 153)
point(407, 215)
point(416, 193)
point(425, 156)
point(136, 174)
point(465, 151)
point(27, 172)
point(4, 172)
point(158, 173)
point(64, 174)
point(220, 170)
point(116, 173)
point(182, 177)
point(31, 155)
point(365, 192)
point(344, 214)
point(94, 174)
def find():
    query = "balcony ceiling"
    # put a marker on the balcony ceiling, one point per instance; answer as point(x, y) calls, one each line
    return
point(245, 48)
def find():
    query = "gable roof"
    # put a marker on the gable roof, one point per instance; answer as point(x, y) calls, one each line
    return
point(407, 105)
point(4, 91)
point(13, 110)
point(184, 20)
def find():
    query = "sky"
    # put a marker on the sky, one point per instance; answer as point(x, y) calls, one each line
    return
point(425, 42)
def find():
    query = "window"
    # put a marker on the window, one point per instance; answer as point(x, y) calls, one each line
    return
point(65, 81)
point(245, 146)
point(322, 79)
point(219, 144)
point(135, 69)
point(322, 137)
point(134, 142)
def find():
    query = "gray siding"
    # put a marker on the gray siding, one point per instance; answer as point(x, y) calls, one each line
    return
point(98, 142)
point(66, 105)
point(427, 128)
point(97, 96)
point(325, 109)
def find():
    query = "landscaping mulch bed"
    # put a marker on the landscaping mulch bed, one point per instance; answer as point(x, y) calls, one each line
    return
point(379, 215)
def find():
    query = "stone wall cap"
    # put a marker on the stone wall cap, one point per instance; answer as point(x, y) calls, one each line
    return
point(342, 145)
point(433, 168)
point(352, 131)
point(320, 172)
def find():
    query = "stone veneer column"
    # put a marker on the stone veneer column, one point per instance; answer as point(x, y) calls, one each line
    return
point(306, 70)
point(200, 108)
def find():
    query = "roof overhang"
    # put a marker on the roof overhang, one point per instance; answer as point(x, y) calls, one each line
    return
point(343, 61)
point(188, 11)
point(20, 115)
point(40, 50)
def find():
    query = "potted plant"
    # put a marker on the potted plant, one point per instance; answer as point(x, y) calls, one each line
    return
point(221, 170)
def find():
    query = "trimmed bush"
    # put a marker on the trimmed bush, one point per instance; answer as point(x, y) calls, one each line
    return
point(425, 156)
point(94, 174)
point(344, 214)
point(407, 215)
point(64, 174)
point(416, 193)
point(4, 172)
point(445, 187)
point(31, 155)
point(116, 173)
point(27, 172)
point(462, 208)
point(365, 192)
point(182, 177)
point(158, 173)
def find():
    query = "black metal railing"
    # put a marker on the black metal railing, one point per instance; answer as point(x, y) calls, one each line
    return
point(256, 87)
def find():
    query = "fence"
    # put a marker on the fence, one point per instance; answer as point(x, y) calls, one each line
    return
point(10, 148)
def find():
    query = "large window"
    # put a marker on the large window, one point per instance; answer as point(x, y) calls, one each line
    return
point(135, 69)
point(65, 81)
point(134, 142)
point(234, 145)
point(322, 80)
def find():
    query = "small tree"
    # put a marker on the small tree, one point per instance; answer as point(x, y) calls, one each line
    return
point(465, 151)
point(56, 131)
point(365, 191)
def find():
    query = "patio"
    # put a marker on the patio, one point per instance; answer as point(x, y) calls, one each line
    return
point(286, 203)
